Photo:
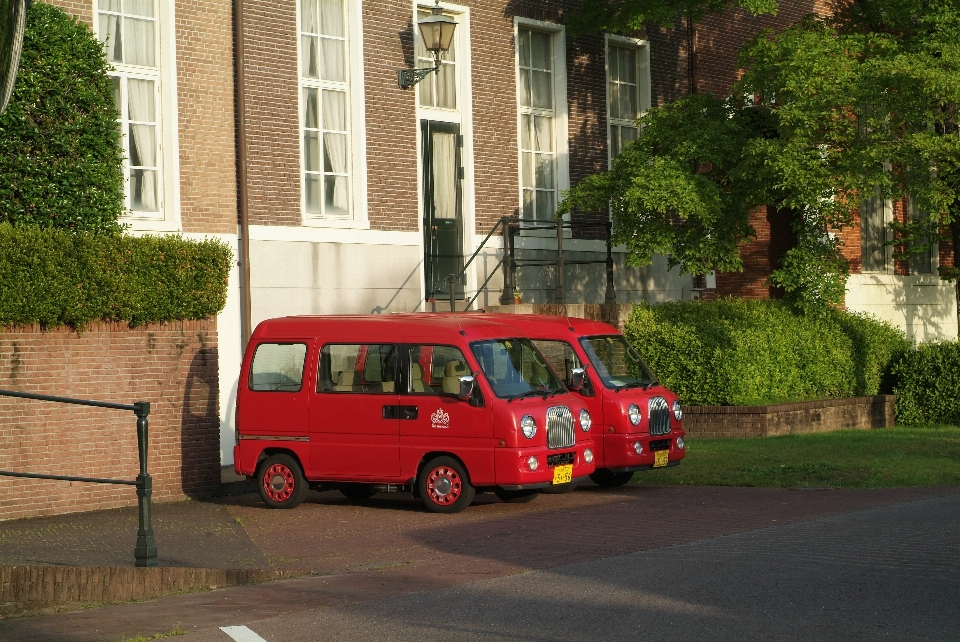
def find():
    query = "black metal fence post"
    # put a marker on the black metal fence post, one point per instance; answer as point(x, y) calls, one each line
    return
point(145, 553)
point(452, 287)
point(506, 295)
point(610, 298)
point(561, 293)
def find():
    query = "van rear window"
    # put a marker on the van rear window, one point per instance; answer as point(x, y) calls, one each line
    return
point(277, 367)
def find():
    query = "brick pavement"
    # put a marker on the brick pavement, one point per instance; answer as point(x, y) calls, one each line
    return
point(390, 546)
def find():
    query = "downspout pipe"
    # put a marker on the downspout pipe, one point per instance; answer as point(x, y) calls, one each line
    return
point(242, 205)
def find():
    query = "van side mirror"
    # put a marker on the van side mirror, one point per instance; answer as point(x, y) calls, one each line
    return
point(577, 376)
point(466, 388)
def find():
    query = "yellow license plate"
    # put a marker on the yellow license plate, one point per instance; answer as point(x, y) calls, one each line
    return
point(563, 474)
point(660, 458)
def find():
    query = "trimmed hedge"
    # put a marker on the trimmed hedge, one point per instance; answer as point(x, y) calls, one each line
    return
point(60, 154)
point(928, 384)
point(55, 277)
point(747, 352)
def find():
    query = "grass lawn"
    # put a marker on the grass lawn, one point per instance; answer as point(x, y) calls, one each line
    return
point(881, 458)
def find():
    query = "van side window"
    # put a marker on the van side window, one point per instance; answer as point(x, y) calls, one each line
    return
point(560, 356)
point(277, 367)
point(369, 368)
point(435, 370)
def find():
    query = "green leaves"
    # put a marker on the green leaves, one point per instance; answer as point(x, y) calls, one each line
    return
point(625, 16)
point(57, 277)
point(928, 384)
point(60, 158)
point(742, 352)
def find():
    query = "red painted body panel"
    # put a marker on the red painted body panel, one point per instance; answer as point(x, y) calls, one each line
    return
point(612, 431)
point(349, 438)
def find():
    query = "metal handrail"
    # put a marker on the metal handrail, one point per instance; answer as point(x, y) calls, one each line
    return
point(473, 256)
point(145, 552)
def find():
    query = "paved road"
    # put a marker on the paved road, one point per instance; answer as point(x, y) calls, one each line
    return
point(667, 562)
point(889, 573)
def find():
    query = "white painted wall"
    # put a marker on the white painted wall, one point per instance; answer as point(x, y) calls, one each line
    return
point(922, 305)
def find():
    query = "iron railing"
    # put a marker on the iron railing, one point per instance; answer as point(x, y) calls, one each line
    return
point(145, 552)
point(510, 227)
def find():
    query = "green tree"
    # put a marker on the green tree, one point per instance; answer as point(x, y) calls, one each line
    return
point(60, 155)
point(860, 101)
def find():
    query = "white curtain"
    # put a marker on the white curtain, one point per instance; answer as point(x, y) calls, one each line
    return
point(139, 48)
point(335, 152)
point(110, 35)
point(444, 163)
point(141, 99)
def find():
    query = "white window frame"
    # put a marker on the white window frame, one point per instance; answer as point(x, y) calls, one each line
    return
point(643, 81)
point(886, 214)
point(561, 114)
point(167, 218)
point(356, 136)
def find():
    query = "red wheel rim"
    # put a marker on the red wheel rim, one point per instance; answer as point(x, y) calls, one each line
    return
point(444, 486)
point(278, 482)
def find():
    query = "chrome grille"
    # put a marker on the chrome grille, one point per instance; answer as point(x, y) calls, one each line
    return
point(659, 413)
point(560, 433)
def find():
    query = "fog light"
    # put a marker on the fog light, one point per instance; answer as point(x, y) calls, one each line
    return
point(588, 456)
point(532, 463)
point(680, 443)
point(638, 447)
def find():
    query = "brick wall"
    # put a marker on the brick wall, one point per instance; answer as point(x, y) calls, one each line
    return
point(173, 366)
point(711, 422)
point(205, 93)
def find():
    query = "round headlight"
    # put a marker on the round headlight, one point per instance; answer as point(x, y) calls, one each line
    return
point(532, 463)
point(588, 456)
point(679, 443)
point(633, 412)
point(585, 420)
point(528, 426)
point(677, 412)
point(638, 447)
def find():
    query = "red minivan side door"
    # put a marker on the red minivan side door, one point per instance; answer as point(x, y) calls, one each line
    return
point(354, 414)
point(433, 418)
point(274, 395)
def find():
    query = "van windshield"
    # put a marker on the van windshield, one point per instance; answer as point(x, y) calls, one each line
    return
point(616, 363)
point(515, 368)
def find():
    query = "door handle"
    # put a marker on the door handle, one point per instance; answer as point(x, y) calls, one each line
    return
point(409, 412)
point(391, 412)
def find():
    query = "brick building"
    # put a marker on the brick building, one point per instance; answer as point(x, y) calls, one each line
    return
point(361, 195)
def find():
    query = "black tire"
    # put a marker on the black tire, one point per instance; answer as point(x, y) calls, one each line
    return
point(609, 479)
point(516, 496)
point(280, 482)
point(357, 492)
point(560, 489)
point(444, 486)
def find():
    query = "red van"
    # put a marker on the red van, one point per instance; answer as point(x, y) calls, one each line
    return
point(442, 407)
point(637, 423)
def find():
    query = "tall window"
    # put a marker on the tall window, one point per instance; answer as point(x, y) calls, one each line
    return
point(922, 261)
point(440, 89)
point(538, 115)
point(129, 33)
point(628, 92)
point(326, 108)
point(876, 213)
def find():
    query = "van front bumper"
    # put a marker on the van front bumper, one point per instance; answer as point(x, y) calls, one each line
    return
point(513, 473)
point(619, 454)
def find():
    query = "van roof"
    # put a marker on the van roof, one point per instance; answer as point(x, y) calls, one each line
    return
point(542, 326)
point(361, 326)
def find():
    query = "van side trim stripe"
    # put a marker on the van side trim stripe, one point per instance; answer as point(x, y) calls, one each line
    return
point(274, 438)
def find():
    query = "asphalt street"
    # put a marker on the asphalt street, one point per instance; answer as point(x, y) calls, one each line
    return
point(889, 573)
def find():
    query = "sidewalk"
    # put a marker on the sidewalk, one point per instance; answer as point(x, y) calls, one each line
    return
point(352, 551)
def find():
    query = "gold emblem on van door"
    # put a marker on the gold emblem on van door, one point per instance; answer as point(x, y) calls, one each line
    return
point(440, 419)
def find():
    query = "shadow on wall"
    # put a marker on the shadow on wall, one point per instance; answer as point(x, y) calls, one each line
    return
point(927, 311)
point(381, 309)
point(200, 426)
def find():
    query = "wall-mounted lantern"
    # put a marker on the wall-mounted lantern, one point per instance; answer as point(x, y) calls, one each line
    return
point(437, 33)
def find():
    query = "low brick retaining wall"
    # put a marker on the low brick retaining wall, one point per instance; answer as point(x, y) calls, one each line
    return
point(26, 590)
point(789, 418)
point(173, 365)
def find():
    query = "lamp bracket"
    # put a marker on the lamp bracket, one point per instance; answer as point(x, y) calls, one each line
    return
point(410, 77)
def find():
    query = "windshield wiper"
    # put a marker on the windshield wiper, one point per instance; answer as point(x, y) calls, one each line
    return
point(529, 393)
point(556, 391)
point(632, 384)
point(651, 384)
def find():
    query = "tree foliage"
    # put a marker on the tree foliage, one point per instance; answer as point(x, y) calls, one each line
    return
point(625, 16)
point(60, 155)
point(860, 103)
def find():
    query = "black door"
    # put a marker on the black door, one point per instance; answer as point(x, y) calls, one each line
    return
point(442, 207)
